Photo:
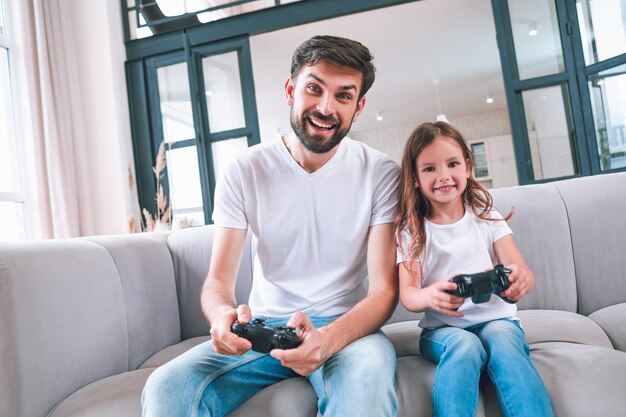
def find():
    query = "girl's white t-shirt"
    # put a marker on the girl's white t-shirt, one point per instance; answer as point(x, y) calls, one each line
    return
point(310, 229)
point(463, 247)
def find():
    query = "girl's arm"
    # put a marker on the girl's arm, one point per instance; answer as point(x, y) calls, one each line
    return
point(417, 299)
point(521, 278)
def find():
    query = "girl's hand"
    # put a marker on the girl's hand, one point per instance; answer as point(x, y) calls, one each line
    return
point(521, 281)
point(440, 300)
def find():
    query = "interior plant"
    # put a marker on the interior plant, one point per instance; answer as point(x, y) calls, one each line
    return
point(162, 219)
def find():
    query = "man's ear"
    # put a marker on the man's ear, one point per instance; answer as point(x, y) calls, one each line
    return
point(359, 109)
point(289, 87)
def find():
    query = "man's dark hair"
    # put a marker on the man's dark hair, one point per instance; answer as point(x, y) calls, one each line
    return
point(340, 51)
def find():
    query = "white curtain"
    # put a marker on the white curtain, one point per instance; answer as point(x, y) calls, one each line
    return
point(54, 122)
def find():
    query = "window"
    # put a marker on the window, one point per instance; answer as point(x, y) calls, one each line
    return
point(145, 18)
point(12, 225)
point(481, 160)
point(564, 64)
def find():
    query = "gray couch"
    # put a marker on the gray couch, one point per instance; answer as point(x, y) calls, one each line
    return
point(83, 322)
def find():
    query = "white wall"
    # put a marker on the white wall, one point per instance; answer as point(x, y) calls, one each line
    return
point(490, 127)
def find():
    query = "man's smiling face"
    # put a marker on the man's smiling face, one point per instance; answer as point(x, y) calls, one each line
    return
point(324, 103)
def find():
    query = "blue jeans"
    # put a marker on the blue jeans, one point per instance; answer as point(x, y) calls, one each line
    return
point(357, 381)
point(462, 355)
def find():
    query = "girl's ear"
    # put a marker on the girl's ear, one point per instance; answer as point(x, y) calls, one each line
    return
point(468, 168)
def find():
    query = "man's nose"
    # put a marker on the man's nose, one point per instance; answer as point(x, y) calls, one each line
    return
point(325, 105)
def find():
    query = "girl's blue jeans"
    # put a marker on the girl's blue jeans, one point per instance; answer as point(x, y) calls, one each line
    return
point(499, 347)
point(357, 381)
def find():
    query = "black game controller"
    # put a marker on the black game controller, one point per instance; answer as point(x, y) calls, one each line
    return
point(265, 338)
point(480, 286)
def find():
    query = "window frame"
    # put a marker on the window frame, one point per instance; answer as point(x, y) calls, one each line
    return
point(585, 155)
point(19, 197)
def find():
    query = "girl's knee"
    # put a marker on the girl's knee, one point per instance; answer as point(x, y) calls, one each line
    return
point(467, 347)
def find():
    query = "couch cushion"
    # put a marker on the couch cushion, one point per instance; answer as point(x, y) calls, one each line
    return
point(561, 326)
point(191, 253)
point(146, 274)
point(115, 396)
point(165, 355)
point(582, 380)
point(598, 238)
point(542, 234)
point(414, 379)
point(120, 395)
point(293, 397)
point(613, 320)
point(63, 322)
point(404, 336)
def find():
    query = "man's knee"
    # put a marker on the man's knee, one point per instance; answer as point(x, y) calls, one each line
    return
point(372, 357)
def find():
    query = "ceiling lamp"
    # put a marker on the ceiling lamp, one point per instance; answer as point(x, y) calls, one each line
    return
point(441, 117)
point(532, 29)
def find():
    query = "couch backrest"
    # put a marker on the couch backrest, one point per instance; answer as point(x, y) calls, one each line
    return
point(75, 311)
point(596, 209)
point(542, 233)
point(63, 322)
point(191, 254)
point(145, 269)
point(572, 234)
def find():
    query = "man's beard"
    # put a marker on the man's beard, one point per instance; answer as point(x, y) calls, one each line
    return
point(317, 143)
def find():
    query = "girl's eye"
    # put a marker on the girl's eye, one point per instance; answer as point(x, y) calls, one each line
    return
point(453, 164)
point(429, 169)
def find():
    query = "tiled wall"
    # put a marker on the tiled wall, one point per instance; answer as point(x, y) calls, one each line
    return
point(474, 126)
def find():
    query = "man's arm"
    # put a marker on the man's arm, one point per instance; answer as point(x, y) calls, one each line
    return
point(364, 318)
point(218, 292)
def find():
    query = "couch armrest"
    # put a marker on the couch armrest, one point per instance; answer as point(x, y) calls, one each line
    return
point(612, 319)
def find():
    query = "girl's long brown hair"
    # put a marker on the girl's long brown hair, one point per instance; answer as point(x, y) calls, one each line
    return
point(414, 207)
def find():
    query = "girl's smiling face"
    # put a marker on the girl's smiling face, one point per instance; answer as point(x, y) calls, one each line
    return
point(442, 173)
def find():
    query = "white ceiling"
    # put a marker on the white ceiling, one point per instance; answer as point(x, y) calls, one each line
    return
point(452, 40)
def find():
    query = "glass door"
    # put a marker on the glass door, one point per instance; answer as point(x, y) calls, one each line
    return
point(564, 66)
point(203, 115)
point(541, 89)
point(225, 106)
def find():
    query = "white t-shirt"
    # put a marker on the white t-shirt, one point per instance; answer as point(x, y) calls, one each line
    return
point(463, 247)
point(311, 228)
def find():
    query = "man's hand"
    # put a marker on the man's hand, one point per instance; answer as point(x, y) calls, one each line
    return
point(310, 355)
point(224, 340)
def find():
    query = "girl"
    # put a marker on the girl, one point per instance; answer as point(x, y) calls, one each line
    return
point(446, 226)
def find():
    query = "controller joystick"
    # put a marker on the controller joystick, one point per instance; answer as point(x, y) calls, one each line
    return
point(481, 285)
point(265, 338)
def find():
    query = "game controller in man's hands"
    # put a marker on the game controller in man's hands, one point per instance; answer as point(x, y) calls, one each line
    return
point(481, 285)
point(265, 338)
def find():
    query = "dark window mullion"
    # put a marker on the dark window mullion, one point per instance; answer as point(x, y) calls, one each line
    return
point(247, 88)
point(578, 137)
point(515, 103)
point(229, 134)
point(540, 82)
point(201, 125)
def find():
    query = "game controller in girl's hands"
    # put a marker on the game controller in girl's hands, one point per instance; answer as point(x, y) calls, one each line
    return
point(481, 285)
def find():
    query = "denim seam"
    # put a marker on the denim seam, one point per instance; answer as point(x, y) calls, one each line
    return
point(214, 376)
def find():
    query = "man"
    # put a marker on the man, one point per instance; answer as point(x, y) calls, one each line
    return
point(322, 209)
